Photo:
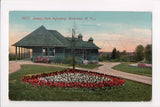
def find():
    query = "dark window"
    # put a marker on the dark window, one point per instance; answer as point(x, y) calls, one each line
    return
point(51, 51)
point(48, 51)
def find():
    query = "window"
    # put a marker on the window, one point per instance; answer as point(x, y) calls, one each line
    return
point(51, 51)
point(45, 52)
point(48, 51)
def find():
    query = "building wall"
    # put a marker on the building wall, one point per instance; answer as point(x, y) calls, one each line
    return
point(61, 53)
point(92, 54)
point(36, 51)
point(84, 54)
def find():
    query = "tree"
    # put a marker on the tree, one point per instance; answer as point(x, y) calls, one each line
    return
point(118, 54)
point(139, 56)
point(124, 52)
point(148, 53)
point(115, 54)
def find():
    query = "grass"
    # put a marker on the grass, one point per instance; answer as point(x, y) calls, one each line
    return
point(132, 91)
point(135, 70)
point(89, 66)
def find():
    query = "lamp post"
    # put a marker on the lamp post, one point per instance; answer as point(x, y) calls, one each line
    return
point(73, 47)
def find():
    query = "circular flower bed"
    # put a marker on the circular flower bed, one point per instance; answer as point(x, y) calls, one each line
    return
point(73, 78)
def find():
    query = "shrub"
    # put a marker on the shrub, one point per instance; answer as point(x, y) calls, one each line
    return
point(14, 57)
point(58, 60)
point(127, 58)
point(104, 57)
point(69, 60)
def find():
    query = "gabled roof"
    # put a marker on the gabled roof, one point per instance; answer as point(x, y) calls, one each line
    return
point(44, 37)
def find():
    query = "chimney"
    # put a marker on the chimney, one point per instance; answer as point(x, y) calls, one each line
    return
point(80, 36)
point(90, 40)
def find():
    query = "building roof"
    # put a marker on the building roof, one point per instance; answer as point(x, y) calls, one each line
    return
point(80, 35)
point(90, 39)
point(80, 44)
point(40, 37)
point(44, 37)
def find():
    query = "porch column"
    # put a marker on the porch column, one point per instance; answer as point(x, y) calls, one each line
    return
point(19, 52)
point(16, 50)
point(29, 52)
point(83, 54)
point(24, 53)
point(64, 53)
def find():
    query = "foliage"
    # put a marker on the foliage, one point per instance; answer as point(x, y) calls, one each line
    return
point(14, 57)
point(139, 56)
point(115, 54)
point(89, 66)
point(69, 60)
point(135, 70)
point(148, 53)
point(124, 52)
point(126, 58)
point(132, 91)
point(118, 54)
point(58, 60)
point(103, 57)
point(122, 58)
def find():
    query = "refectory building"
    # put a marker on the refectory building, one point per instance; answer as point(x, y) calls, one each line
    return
point(51, 44)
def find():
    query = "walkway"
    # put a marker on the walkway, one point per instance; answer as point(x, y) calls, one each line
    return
point(106, 68)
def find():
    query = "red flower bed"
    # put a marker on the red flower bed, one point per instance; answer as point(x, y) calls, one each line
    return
point(57, 81)
point(144, 65)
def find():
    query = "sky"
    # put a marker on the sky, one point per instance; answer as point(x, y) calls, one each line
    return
point(109, 29)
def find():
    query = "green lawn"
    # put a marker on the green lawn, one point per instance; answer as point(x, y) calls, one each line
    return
point(132, 91)
point(135, 70)
point(90, 66)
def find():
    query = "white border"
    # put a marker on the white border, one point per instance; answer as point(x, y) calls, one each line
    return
point(79, 5)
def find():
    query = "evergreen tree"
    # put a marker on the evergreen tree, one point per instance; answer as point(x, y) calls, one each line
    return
point(114, 54)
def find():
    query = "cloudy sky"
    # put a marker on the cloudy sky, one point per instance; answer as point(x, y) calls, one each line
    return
point(121, 30)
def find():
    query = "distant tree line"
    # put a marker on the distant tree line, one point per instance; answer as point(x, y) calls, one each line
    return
point(144, 53)
point(140, 54)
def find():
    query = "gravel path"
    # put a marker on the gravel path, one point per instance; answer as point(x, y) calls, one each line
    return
point(106, 68)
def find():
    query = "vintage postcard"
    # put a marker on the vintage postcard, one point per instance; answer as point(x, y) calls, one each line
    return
point(80, 56)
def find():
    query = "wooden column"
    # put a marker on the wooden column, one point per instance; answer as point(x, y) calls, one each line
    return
point(24, 53)
point(16, 50)
point(83, 54)
point(29, 52)
point(64, 53)
point(19, 52)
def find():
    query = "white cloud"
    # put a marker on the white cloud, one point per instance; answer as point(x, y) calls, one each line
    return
point(146, 32)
